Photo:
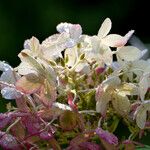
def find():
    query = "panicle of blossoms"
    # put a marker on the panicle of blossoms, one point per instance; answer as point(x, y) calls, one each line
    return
point(70, 93)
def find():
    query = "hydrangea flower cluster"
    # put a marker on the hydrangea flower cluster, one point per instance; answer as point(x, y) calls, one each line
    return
point(71, 94)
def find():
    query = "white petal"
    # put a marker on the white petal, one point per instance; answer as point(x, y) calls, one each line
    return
point(95, 43)
point(33, 45)
point(101, 104)
point(9, 77)
point(111, 81)
point(141, 118)
point(72, 56)
point(8, 74)
point(83, 68)
point(61, 106)
point(25, 57)
point(108, 57)
point(128, 53)
point(63, 27)
point(141, 113)
point(128, 89)
point(10, 93)
point(144, 85)
point(54, 45)
point(105, 28)
point(146, 104)
point(49, 73)
point(139, 65)
point(114, 40)
point(115, 65)
point(75, 32)
point(4, 66)
point(25, 68)
point(121, 103)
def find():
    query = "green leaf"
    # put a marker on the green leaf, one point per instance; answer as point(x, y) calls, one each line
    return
point(68, 120)
point(145, 147)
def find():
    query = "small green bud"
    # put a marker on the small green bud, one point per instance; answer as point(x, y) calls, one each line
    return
point(66, 58)
point(52, 63)
point(82, 56)
point(62, 62)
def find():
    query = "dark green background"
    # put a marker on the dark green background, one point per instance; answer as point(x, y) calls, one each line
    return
point(20, 20)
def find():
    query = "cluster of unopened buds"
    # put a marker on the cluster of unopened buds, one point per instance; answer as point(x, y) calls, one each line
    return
point(71, 94)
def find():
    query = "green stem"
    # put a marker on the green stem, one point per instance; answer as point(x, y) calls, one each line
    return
point(16, 121)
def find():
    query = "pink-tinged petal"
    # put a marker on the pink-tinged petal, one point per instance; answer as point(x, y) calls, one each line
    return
point(100, 70)
point(70, 101)
point(8, 142)
point(99, 92)
point(129, 145)
point(147, 124)
point(133, 108)
point(32, 124)
point(102, 100)
point(125, 39)
point(7, 118)
point(81, 142)
point(4, 120)
point(107, 136)
point(18, 131)
point(75, 31)
point(128, 35)
point(46, 135)
point(22, 105)
point(90, 146)
point(47, 94)
point(27, 85)
point(114, 40)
